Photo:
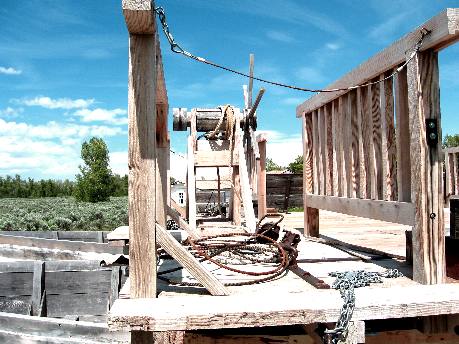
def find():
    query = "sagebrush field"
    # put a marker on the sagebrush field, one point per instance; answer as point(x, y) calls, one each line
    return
point(62, 213)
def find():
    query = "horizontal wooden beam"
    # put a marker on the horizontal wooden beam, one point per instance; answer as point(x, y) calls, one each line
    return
point(390, 211)
point(259, 309)
point(444, 30)
point(139, 16)
point(59, 244)
point(451, 150)
point(215, 158)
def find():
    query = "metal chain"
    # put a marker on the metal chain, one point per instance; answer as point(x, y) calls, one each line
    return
point(346, 282)
point(176, 48)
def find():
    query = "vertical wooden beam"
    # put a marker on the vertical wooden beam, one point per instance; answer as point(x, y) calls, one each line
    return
point(115, 285)
point(38, 287)
point(367, 157)
point(251, 66)
point(376, 134)
point(402, 137)
point(322, 153)
point(340, 137)
point(389, 152)
point(336, 151)
point(354, 147)
point(311, 215)
point(261, 177)
point(328, 150)
point(315, 147)
point(363, 172)
point(426, 172)
point(236, 196)
point(142, 165)
point(346, 140)
point(162, 153)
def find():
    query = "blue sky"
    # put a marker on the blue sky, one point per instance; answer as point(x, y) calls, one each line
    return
point(63, 68)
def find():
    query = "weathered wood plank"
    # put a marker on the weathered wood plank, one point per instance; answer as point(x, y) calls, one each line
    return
point(389, 152)
point(402, 137)
point(397, 212)
point(336, 151)
point(311, 215)
point(303, 308)
point(355, 157)
point(139, 16)
point(93, 303)
point(142, 160)
point(363, 180)
point(316, 157)
point(191, 185)
point(58, 244)
point(426, 171)
point(377, 190)
point(188, 261)
point(16, 283)
point(346, 141)
point(444, 31)
point(322, 153)
point(328, 150)
point(38, 287)
point(261, 176)
point(215, 159)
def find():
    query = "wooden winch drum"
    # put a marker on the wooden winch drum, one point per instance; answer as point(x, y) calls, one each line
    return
point(206, 119)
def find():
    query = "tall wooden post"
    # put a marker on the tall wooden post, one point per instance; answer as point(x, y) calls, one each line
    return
point(426, 171)
point(311, 215)
point(261, 176)
point(139, 17)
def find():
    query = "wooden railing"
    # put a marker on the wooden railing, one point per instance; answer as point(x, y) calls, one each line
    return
point(366, 150)
point(451, 173)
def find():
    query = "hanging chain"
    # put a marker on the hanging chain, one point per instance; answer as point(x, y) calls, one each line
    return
point(176, 48)
point(346, 282)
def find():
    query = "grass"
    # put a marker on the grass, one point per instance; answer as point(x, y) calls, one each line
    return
point(62, 213)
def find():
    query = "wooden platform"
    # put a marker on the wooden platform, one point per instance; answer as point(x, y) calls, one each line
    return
point(290, 299)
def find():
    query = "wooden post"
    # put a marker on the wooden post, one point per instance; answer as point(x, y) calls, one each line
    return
point(311, 215)
point(219, 192)
point(426, 171)
point(162, 153)
point(140, 22)
point(261, 177)
point(191, 179)
point(38, 287)
point(236, 196)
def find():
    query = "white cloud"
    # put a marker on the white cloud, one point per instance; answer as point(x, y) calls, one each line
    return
point(103, 115)
point(332, 46)
point(10, 71)
point(10, 112)
point(119, 162)
point(61, 103)
point(282, 148)
point(49, 150)
point(293, 100)
point(280, 36)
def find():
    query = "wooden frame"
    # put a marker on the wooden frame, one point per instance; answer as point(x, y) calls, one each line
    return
point(364, 163)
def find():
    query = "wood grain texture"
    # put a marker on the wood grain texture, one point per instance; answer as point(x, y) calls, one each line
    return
point(316, 157)
point(162, 158)
point(346, 144)
point(139, 16)
point(38, 287)
point(389, 152)
point(426, 172)
point(363, 180)
point(355, 156)
point(236, 196)
point(328, 150)
point(336, 152)
point(444, 29)
point(191, 185)
point(311, 216)
point(142, 164)
point(397, 212)
point(189, 262)
point(261, 177)
point(322, 153)
point(306, 307)
point(402, 136)
point(377, 188)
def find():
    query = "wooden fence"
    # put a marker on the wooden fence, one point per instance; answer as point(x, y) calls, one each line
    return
point(367, 150)
point(451, 173)
point(284, 190)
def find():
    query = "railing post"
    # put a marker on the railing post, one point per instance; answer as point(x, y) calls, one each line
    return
point(261, 177)
point(426, 171)
point(311, 215)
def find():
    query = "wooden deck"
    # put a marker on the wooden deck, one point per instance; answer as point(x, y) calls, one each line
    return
point(290, 299)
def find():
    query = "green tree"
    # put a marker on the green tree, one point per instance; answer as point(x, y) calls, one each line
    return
point(94, 184)
point(272, 166)
point(297, 165)
point(451, 141)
